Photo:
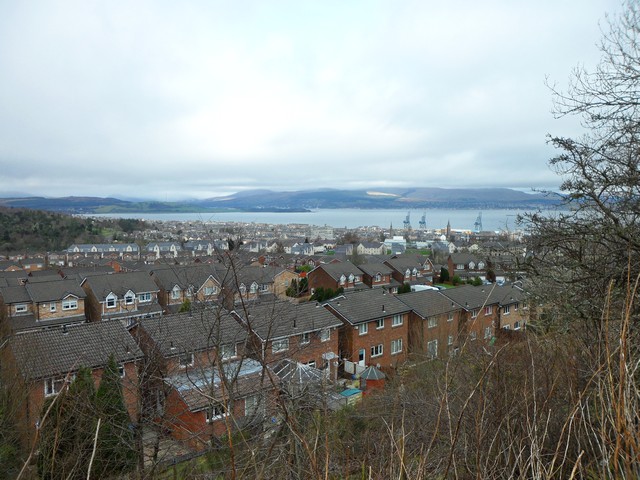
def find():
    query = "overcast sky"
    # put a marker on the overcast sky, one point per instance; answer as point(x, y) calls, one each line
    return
point(167, 100)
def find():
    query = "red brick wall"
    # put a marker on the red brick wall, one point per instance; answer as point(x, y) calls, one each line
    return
point(353, 342)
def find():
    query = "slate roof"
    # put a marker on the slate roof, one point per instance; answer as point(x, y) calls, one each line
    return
point(58, 351)
point(273, 320)
point(373, 268)
point(120, 284)
point(199, 331)
point(199, 387)
point(183, 276)
point(56, 290)
point(367, 305)
point(470, 297)
point(336, 270)
point(15, 294)
point(428, 303)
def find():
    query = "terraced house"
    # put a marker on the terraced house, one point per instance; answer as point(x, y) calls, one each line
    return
point(375, 328)
point(128, 296)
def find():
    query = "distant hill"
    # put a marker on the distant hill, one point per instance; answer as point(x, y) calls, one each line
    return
point(271, 201)
point(384, 198)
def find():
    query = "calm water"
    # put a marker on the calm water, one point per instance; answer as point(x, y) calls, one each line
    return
point(351, 218)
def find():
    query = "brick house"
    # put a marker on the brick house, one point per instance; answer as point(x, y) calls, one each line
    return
point(378, 275)
point(197, 375)
point(43, 304)
point(336, 275)
point(514, 312)
point(433, 323)
point(39, 364)
point(466, 266)
point(305, 332)
point(479, 318)
point(410, 269)
point(177, 284)
point(127, 295)
point(376, 327)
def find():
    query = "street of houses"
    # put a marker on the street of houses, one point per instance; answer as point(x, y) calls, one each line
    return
point(218, 338)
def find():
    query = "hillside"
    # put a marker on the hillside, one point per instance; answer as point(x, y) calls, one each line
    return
point(27, 230)
point(296, 201)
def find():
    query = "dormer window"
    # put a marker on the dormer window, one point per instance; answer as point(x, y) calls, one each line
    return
point(111, 300)
point(254, 287)
point(378, 277)
point(343, 279)
point(242, 289)
point(351, 277)
point(190, 291)
point(22, 308)
point(129, 297)
point(175, 292)
point(407, 274)
point(415, 272)
point(472, 266)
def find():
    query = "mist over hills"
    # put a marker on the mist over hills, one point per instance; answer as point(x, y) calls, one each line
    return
point(273, 201)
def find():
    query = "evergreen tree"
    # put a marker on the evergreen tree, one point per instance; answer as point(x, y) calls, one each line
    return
point(116, 452)
point(68, 429)
point(444, 275)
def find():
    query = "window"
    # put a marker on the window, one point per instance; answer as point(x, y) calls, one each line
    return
point(53, 386)
point(506, 309)
point(111, 300)
point(432, 322)
point(450, 317)
point(473, 336)
point(52, 307)
point(397, 320)
point(121, 370)
point(216, 412)
point(325, 335)
point(396, 346)
point(190, 291)
point(208, 291)
point(144, 297)
point(515, 307)
point(378, 277)
point(450, 340)
point(305, 338)
point(432, 348)
point(460, 266)
point(379, 323)
point(186, 360)
point(376, 350)
point(363, 328)
point(175, 293)
point(253, 406)
point(516, 325)
point(227, 351)
point(312, 364)
point(280, 345)
point(507, 327)
point(21, 308)
point(264, 287)
point(343, 279)
point(242, 289)
point(487, 332)
point(351, 278)
point(253, 288)
point(129, 298)
point(407, 274)
point(488, 310)
point(68, 304)
point(474, 313)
